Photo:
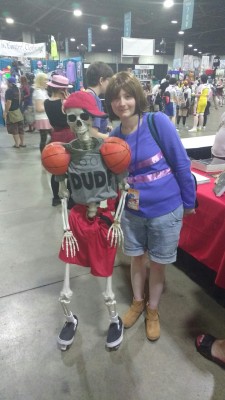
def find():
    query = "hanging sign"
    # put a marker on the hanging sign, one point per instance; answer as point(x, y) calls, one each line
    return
point(21, 49)
point(187, 16)
point(89, 40)
point(127, 24)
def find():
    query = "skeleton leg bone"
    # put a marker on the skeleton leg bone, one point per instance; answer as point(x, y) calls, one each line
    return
point(66, 336)
point(115, 331)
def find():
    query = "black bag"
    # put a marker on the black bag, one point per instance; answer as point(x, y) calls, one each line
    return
point(158, 100)
point(155, 135)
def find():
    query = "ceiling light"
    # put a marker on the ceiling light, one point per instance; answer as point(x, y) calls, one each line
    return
point(72, 39)
point(195, 49)
point(157, 51)
point(109, 49)
point(77, 13)
point(93, 45)
point(199, 52)
point(168, 3)
point(180, 32)
point(190, 45)
point(9, 20)
point(104, 27)
point(174, 22)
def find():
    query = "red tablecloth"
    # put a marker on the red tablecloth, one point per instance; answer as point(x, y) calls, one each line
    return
point(203, 234)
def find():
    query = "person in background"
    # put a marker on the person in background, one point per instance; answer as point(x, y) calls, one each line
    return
point(206, 114)
point(41, 119)
point(171, 103)
point(156, 97)
point(164, 84)
point(214, 97)
point(12, 114)
point(149, 96)
point(26, 100)
point(219, 91)
point(201, 96)
point(184, 101)
point(98, 75)
point(158, 198)
point(211, 348)
point(57, 88)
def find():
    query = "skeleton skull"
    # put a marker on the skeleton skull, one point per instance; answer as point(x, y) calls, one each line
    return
point(79, 122)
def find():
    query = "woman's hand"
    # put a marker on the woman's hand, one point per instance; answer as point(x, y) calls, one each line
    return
point(188, 211)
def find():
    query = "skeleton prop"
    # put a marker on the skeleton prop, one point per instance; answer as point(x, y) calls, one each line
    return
point(91, 234)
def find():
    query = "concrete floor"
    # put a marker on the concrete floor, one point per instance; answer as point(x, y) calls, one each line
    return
point(31, 276)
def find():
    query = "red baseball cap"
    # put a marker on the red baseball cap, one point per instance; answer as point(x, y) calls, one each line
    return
point(86, 102)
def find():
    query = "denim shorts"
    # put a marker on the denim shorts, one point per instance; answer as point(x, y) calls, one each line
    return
point(158, 236)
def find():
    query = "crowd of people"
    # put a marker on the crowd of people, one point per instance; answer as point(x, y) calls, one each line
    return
point(162, 193)
point(179, 99)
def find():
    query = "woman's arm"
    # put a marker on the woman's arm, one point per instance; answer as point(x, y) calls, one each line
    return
point(39, 106)
point(99, 135)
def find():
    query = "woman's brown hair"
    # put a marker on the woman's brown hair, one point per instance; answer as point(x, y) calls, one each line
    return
point(131, 85)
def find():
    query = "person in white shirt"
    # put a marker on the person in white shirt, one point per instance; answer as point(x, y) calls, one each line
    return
point(171, 105)
point(41, 120)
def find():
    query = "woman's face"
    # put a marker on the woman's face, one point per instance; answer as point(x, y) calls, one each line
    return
point(123, 105)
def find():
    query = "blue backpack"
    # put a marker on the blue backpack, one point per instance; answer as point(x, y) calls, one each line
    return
point(155, 135)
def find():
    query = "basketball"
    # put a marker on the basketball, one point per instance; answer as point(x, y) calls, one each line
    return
point(116, 154)
point(55, 158)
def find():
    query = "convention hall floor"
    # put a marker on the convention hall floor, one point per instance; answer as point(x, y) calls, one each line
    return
point(31, 277)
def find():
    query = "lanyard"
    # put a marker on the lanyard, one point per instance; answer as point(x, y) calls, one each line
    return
point(137, 141)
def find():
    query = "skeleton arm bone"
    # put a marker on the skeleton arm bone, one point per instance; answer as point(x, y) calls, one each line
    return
point(115, 231)
point(68, 240)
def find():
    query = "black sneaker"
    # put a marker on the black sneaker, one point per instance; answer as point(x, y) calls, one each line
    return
point(219, 188)
point(115, 334)
point(66, 336)
point(56, 201)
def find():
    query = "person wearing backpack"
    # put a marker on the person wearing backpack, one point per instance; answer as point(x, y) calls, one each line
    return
point(171, 100)
point(184, 101)
point(160, 193)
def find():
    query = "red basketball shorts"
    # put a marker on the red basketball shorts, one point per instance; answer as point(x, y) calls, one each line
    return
point(91, 234)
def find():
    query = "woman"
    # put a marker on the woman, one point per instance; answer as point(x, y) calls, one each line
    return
point(58, 92)
point(39, 96)
point(157, 199)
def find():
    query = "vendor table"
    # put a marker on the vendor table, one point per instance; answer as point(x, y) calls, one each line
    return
point(203, 233)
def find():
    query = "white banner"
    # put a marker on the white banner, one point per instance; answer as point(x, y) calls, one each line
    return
point(205, 62)
point(21, 49)
point(187, 62)
point(132, 47)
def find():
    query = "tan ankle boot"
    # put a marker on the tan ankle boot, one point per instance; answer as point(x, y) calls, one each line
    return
point(152, 324)
point(134, 312)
